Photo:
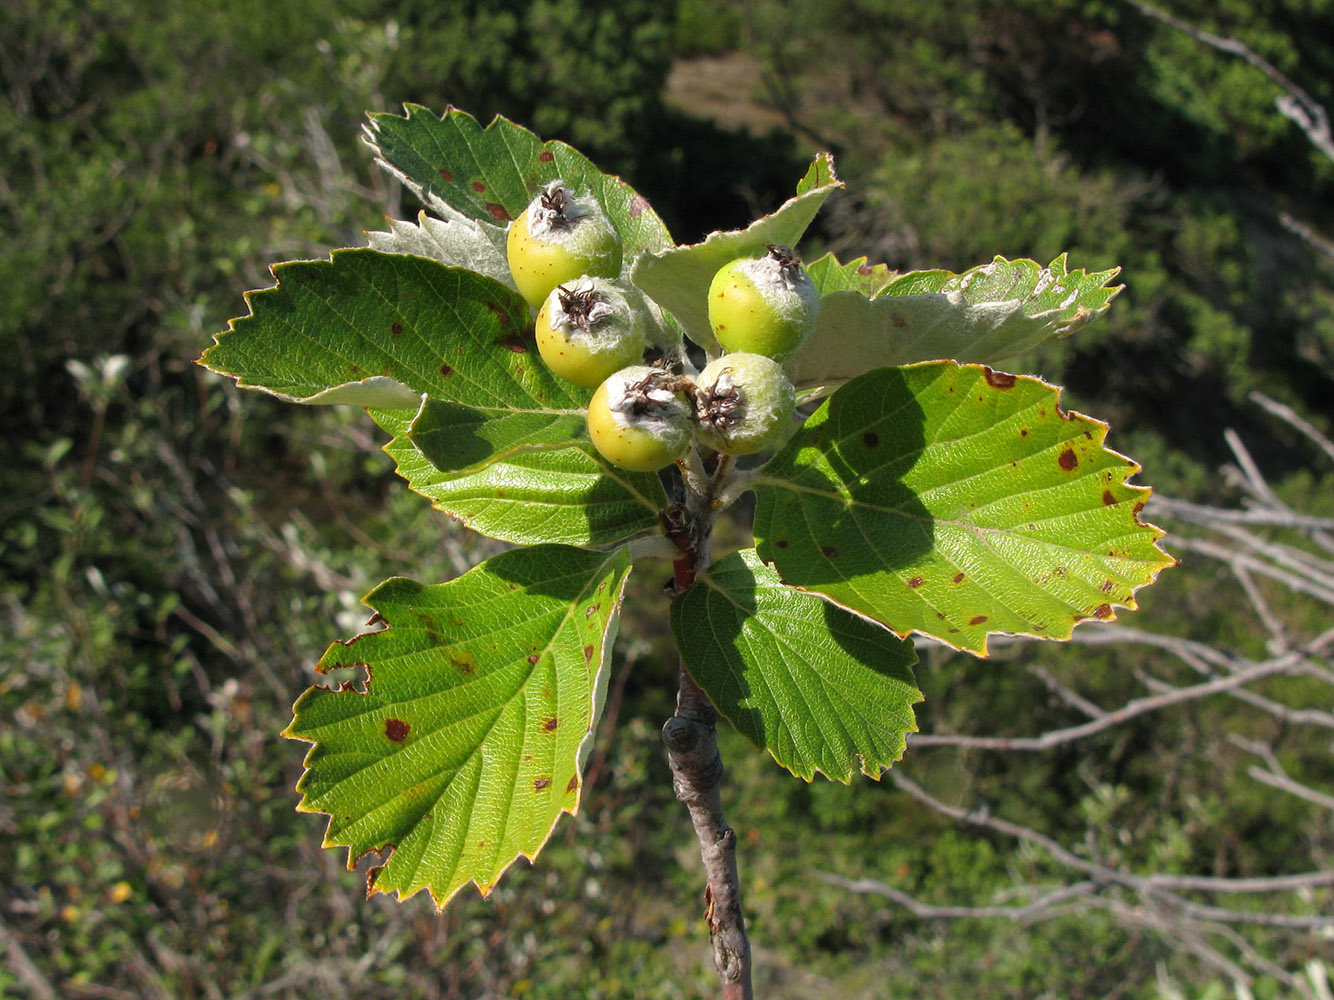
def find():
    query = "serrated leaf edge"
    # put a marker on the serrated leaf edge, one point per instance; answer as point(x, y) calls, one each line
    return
point(1132, 468)
point(581, 753)
point(872, 772)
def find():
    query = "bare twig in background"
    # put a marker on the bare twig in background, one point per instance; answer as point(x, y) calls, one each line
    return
point(1296, 104)
point(25, 971)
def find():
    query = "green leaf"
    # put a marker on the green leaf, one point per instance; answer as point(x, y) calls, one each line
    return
point(463, 171)
point(678, 278)
point(819, 175)
point(956, 501)
point(983, 316)
point(478, 246)
point(818, 687)
point(829, 276)
point(332, 329)
point(468, 741)
point(463, 438)
point(567, 495)
point(363, 314)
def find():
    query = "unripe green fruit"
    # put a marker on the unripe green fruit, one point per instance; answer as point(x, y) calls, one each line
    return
point(639, 419)
point(745, 403)
point(591, 328)
point(763, 305)
point(559, 238)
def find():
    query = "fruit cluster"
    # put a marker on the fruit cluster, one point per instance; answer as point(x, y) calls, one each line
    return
point(593, 329)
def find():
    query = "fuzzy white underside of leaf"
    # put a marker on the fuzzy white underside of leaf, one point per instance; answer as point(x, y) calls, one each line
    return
point(457, 241)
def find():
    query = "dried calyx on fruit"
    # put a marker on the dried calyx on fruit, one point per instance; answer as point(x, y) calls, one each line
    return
point(763, 305)
point(744, 403)
point(640, 418)
point(560, 237)
point(591, 328)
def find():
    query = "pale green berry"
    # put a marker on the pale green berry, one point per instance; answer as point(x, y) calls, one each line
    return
point(591, 328)
point(744, 403)
point(560, 237)
point(763, 305)
point(640, 419)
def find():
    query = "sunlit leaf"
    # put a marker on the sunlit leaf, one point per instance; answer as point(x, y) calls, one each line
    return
point(985, 315)
point(468, 741)
point(461, 170)
point(957, 501)
point(479, 246)
point(569, 495)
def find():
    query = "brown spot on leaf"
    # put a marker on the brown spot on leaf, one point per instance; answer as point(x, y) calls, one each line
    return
point(396, 729)
point(550, 724)
point(497, 212)
point(897, 321)
point(541, 783)
point(1102, 611)
point(446, 370)
point(431, 627)
point(446, 175)
point(1138, 507)
point(396, 329)
point(1107, 586)
point(573, 783)
point(977, 620)
point(533, 658)
point(515, 344)
point(957, 578)
point(546, 156)
point(829, 551)
point(915, 582)
point(478, 186)
point(464, 663)
point(1023, 432)
point(1068, 460)
point(781, 543)
point(865, 269)
point(591, 610)
point(1107, 498)
point(870, 439)
point(998, 380)
point(588, 653)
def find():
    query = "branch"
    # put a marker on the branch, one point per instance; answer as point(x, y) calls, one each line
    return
point(691, 737)
point(1044, 907)
point(1210, 516)
point(1289, 416)
point(1157, 883)
point(1107, 720)
point(1296, 105)
point(697, 769)
point(23, 968)
point(1277, 776)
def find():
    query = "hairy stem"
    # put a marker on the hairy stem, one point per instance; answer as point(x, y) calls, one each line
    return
point(691, 737)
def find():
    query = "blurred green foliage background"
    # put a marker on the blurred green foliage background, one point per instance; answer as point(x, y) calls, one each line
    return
point(174, 557)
